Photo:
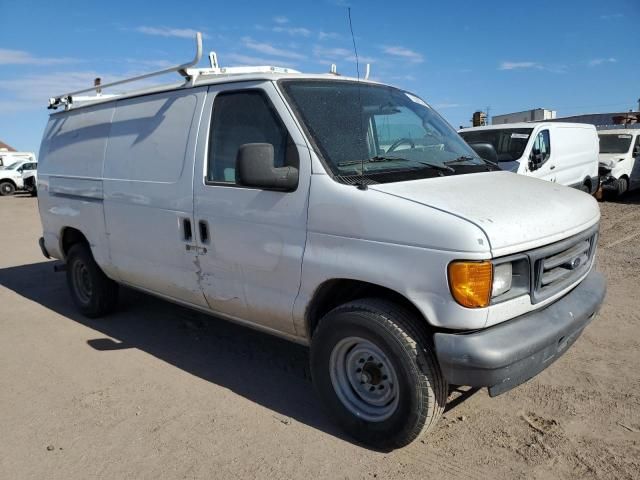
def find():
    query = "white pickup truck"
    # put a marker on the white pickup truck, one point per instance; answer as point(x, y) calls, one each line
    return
point(338, 213)
point(12, 176)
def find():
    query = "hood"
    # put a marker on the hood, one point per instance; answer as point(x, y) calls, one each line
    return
point(11, 174)
point(610, 160)
point(515, 212)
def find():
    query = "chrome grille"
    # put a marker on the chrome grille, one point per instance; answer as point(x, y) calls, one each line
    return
point(559, 265)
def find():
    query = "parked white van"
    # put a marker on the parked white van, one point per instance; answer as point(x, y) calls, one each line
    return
point(342, 214)
point(565, 153)
point(620, 160)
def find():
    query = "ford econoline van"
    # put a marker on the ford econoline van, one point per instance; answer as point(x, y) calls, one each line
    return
point(620, 160)
point(339, 213)
point(565, 153)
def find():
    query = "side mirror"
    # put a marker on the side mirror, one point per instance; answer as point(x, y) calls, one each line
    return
point(535, 159)
point(636, 151)
point(254, 168)
point(486, 151)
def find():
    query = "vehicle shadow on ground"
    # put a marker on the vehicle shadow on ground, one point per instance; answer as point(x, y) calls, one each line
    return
point(632, 198)
point(262, 368)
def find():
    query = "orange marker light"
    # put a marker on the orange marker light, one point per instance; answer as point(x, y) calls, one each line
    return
point(470, 282)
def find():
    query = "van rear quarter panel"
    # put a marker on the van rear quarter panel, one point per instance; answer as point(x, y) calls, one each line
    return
point(70, 178)
point(577, 149)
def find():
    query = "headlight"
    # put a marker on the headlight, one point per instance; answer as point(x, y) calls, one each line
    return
point(502, 278)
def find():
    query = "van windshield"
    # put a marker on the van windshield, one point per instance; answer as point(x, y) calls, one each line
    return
point(614, 143)
point(508, 142)
point(379, 132)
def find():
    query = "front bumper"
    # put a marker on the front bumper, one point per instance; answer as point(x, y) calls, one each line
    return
point(609, 183)
point(506, 355)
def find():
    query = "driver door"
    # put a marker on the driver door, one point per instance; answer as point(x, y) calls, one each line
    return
point(541, 162)
point(250, 240)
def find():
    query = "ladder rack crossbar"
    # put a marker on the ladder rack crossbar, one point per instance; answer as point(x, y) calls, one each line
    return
point(67, 98)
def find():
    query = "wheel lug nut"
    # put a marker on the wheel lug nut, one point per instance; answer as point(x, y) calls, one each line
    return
point(371, 389)
point(361, 360)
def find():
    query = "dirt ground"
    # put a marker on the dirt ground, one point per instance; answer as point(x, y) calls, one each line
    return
point(158, 391)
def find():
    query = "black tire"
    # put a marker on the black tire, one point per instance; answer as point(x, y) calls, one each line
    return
point(92, 291)
point(7, 188)
point(585, 187)
point(623, 186)
point(421, 388)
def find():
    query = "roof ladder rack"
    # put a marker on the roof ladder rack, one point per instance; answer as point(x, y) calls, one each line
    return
point(66, 99)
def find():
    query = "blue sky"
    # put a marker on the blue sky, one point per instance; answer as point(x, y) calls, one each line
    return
point(571, 56)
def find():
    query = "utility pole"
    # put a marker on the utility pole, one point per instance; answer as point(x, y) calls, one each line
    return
point(489, 110)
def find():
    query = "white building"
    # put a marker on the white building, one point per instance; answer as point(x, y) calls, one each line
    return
point(535, 115)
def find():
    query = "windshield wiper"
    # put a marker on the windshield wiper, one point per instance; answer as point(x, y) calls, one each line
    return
point(465, 158)
point(383, 158)
point(370, 160)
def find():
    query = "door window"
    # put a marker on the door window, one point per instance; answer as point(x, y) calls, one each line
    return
point(636, 147)
point(245, 117)
point(541, 148)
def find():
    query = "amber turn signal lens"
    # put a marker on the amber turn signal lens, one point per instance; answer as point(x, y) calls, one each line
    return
point(470, 283)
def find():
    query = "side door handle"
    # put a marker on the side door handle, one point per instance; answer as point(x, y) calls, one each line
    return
point(187, 233)
point(203, 229)
point(552, 167)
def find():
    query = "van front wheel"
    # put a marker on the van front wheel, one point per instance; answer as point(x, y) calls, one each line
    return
point(375, 371)
point(7, 188)
point(92, 291)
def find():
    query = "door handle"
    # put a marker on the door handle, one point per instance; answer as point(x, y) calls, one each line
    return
point(186, 229)
point(203, 228)
point(552, 167)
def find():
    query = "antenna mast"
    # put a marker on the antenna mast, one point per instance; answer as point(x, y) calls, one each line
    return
point(361, 185)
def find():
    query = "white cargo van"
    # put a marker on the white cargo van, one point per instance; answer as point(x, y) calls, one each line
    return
point(341, 214)
point(565, 153)
point(620, 160)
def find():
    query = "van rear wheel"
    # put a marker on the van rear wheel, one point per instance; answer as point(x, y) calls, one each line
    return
point(92, 291)
point(375, 371)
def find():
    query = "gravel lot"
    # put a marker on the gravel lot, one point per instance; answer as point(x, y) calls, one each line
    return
point(158, 391)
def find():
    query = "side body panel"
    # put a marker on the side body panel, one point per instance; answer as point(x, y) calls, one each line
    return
point(70, 179)
point(148, 173)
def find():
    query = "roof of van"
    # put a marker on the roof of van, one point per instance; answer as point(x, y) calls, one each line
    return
point(204, 79)
point(619, 131)
point(526, 125)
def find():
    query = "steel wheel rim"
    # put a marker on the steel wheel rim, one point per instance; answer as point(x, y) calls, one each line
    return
point(82, 284)
point(6, 189)
point(364, 379)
